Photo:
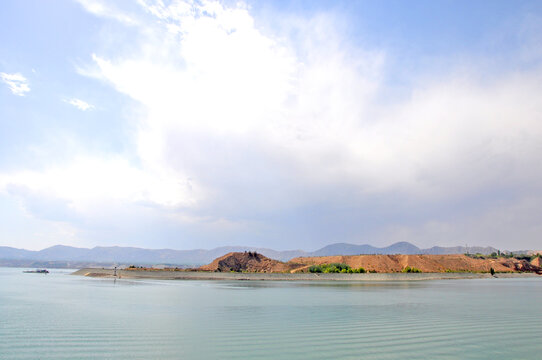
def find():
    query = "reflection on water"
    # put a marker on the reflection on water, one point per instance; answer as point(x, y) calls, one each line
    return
point(337, 285)
point(62, 316)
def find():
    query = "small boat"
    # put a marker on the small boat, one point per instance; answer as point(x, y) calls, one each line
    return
point(37, 271)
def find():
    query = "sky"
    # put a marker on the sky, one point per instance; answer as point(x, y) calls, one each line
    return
point(287, 125)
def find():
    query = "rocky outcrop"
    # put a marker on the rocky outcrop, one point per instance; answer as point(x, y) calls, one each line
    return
point(248, 262)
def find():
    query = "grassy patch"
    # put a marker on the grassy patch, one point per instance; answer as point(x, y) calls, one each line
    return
point(409, 269)
point(335, 268)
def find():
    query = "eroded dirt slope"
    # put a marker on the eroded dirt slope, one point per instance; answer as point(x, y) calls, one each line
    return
point(426, 263)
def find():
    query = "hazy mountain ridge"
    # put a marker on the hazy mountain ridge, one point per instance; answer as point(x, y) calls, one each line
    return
point(117, 254)
point(129, 255)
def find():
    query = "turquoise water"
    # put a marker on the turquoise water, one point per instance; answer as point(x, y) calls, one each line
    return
point(58, 316)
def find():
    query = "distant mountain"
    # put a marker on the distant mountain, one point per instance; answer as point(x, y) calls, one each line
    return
point(61, 252)
point(400, 248)
point(133, 255)
point(350, 249)
point(13, 253)
point(344, 249)
point(438, 250)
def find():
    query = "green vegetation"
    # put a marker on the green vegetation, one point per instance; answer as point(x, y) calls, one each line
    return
point(409, 269)
point(335, 268)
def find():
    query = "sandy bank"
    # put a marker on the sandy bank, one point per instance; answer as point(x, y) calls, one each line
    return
point(197, 275)
point(425, 263)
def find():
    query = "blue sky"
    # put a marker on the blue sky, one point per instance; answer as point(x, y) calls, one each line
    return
point(281, 124)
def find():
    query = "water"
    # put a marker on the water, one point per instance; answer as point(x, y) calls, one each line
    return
point(58, 316)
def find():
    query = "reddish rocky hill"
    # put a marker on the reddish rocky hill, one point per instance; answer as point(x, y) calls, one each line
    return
point(248, 262)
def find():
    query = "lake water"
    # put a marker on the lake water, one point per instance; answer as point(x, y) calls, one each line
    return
point(59, 316)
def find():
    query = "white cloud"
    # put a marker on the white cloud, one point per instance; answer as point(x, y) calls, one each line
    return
point(105, 9)
point(16, 82)
point(308, 114)
point(87, 182)
point(236, 81)
point(80, 104)
point(316, 115)
point(239, 124)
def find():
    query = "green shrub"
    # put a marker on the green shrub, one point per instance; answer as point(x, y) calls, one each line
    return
point(315, 269)
point(336, 268)
point(332, 268)
point(409, 269)
point(339, 266)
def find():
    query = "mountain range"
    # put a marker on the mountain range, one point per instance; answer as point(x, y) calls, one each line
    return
point(133, 255)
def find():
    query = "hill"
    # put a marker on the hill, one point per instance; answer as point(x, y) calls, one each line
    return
point(247, 262)
point(134, 255)
point(254, 262)
point(425, 263)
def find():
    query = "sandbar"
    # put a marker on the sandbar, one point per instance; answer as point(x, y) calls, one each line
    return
point(201, 275)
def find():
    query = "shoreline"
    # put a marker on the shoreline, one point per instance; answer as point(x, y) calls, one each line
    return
point(235, 276)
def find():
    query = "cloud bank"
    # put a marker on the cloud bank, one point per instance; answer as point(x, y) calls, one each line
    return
point(262, 138)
